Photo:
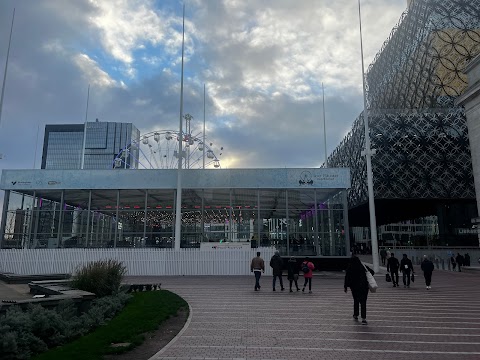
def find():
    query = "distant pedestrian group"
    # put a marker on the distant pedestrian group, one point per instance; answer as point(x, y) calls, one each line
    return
point(257, 266)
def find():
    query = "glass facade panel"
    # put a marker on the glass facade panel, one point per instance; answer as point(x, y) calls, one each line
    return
point(160, 218)
point(302, 227)
point(17, 229)
point(215, 198)
point(102, 200)
point(64, 150)
point(16, 201)
point(96, 135)
point(290, 220)
point(130, 228)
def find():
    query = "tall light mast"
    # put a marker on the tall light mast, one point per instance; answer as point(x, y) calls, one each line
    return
point(178, 202)
point(368, 152)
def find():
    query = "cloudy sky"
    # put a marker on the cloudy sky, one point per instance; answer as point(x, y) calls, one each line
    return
point(263, 63)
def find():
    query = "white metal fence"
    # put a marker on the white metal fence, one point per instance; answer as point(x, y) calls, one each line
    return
point(147, 261)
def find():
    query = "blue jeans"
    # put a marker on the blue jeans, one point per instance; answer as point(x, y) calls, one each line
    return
point(257, 279)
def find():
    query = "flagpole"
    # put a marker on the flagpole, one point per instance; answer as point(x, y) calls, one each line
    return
point(368, 152)
point(203, 126)
point(178, 202)
point(324, 127)
point(6, 66)
point(85, 130)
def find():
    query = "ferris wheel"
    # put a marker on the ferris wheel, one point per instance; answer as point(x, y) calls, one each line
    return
point(159, 150)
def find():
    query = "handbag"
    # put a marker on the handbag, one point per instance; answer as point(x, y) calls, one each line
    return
point(372, 284)
point(388, 278)
point(413, 277)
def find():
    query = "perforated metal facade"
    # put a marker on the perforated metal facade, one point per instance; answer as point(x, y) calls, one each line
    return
point(423, 163)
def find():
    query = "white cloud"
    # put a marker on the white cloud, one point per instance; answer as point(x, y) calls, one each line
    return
point(92, 72)
point(125, 25)
point(288, 47)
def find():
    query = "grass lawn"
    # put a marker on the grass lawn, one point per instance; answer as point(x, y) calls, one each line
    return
point(143, 313)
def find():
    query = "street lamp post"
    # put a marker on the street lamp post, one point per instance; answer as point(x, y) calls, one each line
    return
point(368, 152)
point(6, 66)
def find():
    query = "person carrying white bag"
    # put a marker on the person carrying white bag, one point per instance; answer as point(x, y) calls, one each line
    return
point(356, 280)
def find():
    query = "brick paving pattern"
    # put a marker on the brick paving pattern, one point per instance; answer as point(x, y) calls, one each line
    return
point(229, 320)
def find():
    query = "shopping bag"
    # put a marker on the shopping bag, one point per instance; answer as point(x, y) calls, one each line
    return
point(388, 278)
point(413, 277)
point(372, 284)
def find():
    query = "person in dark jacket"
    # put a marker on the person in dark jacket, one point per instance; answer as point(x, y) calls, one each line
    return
point(356, 280)
point(383, 256)
point(392, 267)
point(460, 261)
point(467, 259)
point(454, 263)
point(293, 271)
point(276, 263)
point(427, 268)
point(406, 267)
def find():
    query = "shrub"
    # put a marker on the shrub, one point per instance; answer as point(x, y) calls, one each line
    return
point(25, 333)
point(100, 277)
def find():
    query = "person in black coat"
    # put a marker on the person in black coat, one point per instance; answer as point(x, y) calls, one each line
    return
point(293, 272)
point(276, 262)
point(467, 259)
point(392, 267)
point(460, 261)
point(356, 280)
point(427, 268)
point(453, 262)
point(406, 267)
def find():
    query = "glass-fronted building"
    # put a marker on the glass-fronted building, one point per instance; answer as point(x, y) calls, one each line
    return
point(298, 211)
point(63, 145)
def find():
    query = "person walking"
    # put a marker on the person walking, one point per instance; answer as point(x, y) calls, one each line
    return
point(276, 263)
point(293, 271)
point(307, 268)
point(454, 263)
point(467, 260)
point(392, 267)
point(427, 268)
point(383, 256)
point(406, 267)
point(460, 261)
point(257, 266)
point(356, 280)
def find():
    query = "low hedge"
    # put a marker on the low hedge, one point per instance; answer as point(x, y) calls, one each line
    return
point(35, 330)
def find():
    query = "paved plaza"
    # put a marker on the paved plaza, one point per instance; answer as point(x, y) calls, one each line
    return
point(229, 320)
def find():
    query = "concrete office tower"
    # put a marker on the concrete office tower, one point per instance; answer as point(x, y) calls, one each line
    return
point(63, 145)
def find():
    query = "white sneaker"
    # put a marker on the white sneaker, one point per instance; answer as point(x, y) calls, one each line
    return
point(429, 287)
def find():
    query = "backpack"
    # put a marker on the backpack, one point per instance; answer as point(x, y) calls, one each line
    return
point(305, 268)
